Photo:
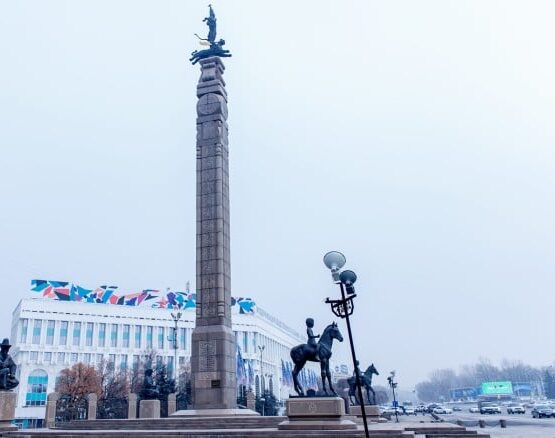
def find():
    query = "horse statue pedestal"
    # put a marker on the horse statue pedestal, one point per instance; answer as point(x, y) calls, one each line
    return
point(7, 410)
point(316, 413)
point(372, 413)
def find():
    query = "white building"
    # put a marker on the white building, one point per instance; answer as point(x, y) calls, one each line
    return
point(49, 335)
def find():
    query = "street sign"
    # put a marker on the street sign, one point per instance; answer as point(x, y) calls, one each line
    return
point(497, 388)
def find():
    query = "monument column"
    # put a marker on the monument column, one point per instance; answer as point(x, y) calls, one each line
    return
point(213, 343)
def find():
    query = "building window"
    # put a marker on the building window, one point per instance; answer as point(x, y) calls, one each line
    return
point(101, 335)
point(126, 329)
point(161, 338)
point(245, 342)
point(47, 357)
point(63, 332)
point(36, 388)
point(138, 329)
point(76, 333)
point(111, 361)
point(87, 358)
point(89, 334)
point(50, 332)
point(170, 365)
point(159, 362)
point(183, 338)
point(136, 362)
point(114, 336)
point(123, 363)
point(99, 358)
point(61, 358)
point(33, 356)
point(74, 358)
point(36, 331)
point(23, 333)
point(149, 337)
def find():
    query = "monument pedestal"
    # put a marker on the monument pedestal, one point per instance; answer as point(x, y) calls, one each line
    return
point(7, 410)
point(316, 413)
point(372, 413)
point(149, 409)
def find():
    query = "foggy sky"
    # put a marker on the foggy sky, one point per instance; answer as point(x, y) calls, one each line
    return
point(415, 137)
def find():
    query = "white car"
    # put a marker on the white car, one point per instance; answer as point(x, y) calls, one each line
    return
point(474, 410)
point(390, 410)
point(443, 410)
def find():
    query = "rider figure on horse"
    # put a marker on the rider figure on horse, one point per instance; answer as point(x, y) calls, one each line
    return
point(360, 373)
point(311, 336)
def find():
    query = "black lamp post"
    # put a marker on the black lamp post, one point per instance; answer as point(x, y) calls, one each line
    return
point(344, 308)
point(173, 339)
point(262, 383)
point(393, 385)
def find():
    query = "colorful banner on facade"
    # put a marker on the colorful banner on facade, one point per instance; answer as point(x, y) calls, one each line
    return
point(66, 291)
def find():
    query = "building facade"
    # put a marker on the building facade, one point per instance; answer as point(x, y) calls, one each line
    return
point(49, 334)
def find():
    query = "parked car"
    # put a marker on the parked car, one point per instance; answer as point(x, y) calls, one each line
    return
point(420, 408)
point(515, 408)
point(443, 410)
point(489, 408)
point(391, 410)
point(457, 409)
point(409, 410)
point(430, 407)
point(474, 409)
point(540, 411)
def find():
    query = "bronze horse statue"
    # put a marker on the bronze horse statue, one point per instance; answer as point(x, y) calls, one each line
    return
point(366, 381)
point(321, 353)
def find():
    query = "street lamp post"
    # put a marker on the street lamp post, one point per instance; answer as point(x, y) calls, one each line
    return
point(262, 385)
point(344, 308)
point(393, 385)
point(176, 317)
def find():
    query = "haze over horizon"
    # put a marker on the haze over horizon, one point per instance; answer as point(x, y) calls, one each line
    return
point(415, 137)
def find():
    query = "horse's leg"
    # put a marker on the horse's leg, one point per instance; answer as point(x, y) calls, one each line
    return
point(328, 373)
point(296, 371)
point(373, 394)
point(323, 374)
point(295, 380)
point(351, 398)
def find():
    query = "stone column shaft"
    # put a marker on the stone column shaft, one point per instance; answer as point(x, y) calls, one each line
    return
point(213, 344)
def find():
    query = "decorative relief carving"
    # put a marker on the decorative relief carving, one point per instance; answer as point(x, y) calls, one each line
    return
point(207, 356)
point(212, 104)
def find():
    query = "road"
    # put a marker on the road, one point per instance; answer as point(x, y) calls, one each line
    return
point(518, 426)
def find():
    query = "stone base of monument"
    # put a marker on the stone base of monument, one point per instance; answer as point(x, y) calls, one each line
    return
point(213, 413)
point(149, 409)
point(7, 410)
point(372, 413)
point(316, 413)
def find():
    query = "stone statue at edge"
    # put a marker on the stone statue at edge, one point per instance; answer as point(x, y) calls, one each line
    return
point(8, 367)
point(216, 47)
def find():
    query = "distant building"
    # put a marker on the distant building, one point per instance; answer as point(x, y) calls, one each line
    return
point(68, 324)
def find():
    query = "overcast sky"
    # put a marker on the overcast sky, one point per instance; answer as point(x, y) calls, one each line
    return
point(415, 137)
